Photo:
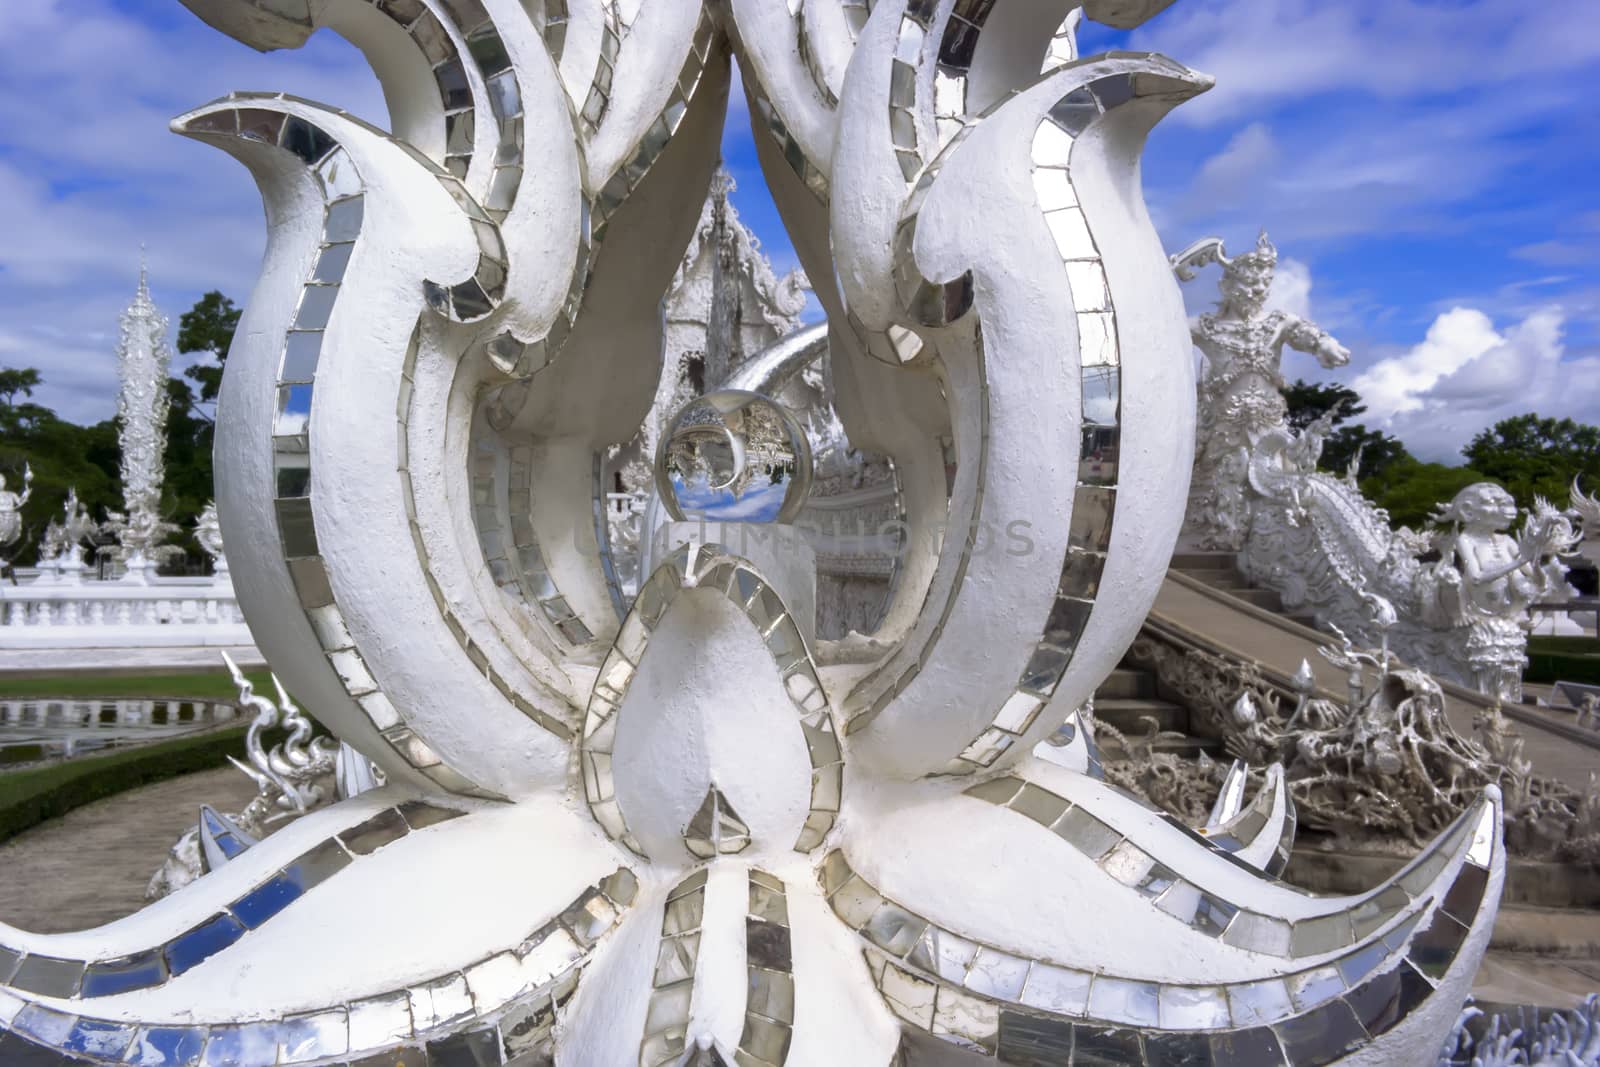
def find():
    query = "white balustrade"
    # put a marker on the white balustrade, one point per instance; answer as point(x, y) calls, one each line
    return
point(166, 612)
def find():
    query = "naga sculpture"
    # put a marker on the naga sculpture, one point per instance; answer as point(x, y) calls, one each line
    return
point(1319, 542)
point(1460, 590)
point(1241, 394)
point(655, 831)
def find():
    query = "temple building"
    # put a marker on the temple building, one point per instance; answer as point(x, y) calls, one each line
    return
point(726, 305)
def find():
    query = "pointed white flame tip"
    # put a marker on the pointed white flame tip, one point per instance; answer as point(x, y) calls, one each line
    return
point(1485, 830)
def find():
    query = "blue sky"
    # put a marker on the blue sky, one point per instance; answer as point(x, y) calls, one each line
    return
point(1430, 170)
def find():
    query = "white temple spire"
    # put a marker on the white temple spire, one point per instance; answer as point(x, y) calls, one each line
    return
point(144, 359)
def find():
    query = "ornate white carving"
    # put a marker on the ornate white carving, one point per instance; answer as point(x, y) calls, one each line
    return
point(1530, 1037)
point(1386, 764)
point(1241, 392)
point(144, 359)
point(208, 532)
point(11, 505)
point(1316, 540)
point(1325, 547)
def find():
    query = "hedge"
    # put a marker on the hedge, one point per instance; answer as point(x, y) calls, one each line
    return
point(1547, 669)
point(30, 797)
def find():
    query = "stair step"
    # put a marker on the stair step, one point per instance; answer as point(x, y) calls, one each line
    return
point(1186, 746)
point(1127, 683)
point(1126, 715)
point(1204, 561)
point(1268, 599)
point(1191, 747)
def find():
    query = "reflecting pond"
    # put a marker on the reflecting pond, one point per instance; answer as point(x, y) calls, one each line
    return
point(39, 729)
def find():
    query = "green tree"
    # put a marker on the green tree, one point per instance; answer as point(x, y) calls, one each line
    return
point(1533, 456)
point(1409, 490)
point(1310, 401)
point(62, 456)
point(1378, 451)
point(208, 329)
point(17, 380)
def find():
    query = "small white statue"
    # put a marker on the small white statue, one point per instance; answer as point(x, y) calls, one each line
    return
point(1241, 394)
point(11, 505)
point(75, 528)
point(208, 532)
point(1486, 579)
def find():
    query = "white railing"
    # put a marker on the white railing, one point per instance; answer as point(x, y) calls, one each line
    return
point(93, 614)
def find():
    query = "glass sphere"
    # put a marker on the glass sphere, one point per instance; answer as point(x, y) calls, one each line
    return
point(734, 456)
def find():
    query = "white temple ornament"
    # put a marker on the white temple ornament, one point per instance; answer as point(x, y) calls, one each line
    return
point(883, 873)
point(1241, 393)
point(143, 360)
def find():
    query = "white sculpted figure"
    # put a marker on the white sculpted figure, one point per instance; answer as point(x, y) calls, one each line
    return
point(1486, 580)
point(208, 532)
point(11, 505)
point(1318, 542)
point(656, 832)
point(1241, 394)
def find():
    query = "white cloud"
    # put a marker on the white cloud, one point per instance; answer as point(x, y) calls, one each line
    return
point(1466, 375)
point(1396, 386)
point(1264, 52)
point(1291, 289)
point(1559, 253)
point(1250, 152)
point(89, 171)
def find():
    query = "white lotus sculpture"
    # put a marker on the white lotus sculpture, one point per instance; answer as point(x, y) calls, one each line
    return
point(657, 832)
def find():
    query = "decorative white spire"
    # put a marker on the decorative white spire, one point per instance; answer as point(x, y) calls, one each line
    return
point(144, 360)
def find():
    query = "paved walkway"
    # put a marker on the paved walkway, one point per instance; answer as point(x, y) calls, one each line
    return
point(93, 864)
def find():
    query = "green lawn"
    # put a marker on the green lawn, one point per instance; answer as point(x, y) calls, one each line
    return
point(215, 684)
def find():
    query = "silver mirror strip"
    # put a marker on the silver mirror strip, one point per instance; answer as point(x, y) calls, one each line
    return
point(497, 1011)
point(502, 477)
point(520, 359)
point(666, 1024)
point(808, 55)
point(962, 990)
point(1401, 899)
point(602, 536)
point(628, 177)
point(543, 716)
point(488, 54)
point(598, 100)
point(469, 301)
point(259, 117)
point(769, 1008)
point(1241, 831)
point(1099, 363)
point(76, 979)
point(765, 117)
point(711, 567)
point(876, 691)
